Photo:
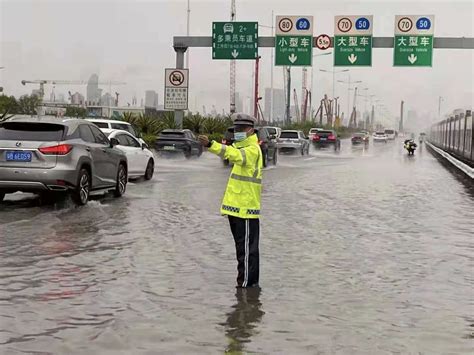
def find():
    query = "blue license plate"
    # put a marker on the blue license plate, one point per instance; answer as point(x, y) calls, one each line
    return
point(18, 156)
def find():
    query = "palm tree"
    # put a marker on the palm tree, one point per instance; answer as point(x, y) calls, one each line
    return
point(195, 123)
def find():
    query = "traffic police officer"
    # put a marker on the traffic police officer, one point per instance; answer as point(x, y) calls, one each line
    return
point(242, 196)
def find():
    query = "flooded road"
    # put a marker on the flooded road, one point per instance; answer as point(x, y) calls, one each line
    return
point(364, 251)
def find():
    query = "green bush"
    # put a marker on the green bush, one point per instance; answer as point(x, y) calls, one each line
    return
point(218, 137)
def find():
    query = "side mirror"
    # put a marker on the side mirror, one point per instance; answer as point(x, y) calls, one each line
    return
point(144, 146)
point(114, 142)
point(272, 136)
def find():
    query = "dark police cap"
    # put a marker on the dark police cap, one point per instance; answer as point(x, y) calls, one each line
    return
point(242, 119)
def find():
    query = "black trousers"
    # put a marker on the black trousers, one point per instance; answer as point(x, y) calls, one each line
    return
point(246, 234)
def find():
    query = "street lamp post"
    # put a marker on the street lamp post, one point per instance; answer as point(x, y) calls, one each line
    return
point(440, 99)
point(349, 88)
point(312, 77)
point(334, 72)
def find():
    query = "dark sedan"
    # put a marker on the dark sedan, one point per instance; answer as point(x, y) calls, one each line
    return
point(326, 138)
point(360, 138)
point(182, 141)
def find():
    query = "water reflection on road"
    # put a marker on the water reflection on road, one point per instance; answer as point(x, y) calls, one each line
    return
point(363, 251)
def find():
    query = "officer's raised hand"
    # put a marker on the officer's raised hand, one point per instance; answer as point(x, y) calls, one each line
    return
point(204, 140)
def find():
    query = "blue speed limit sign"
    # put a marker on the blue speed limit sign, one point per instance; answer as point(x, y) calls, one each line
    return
point(303, 24)
point(362, 24)
point(423, 23)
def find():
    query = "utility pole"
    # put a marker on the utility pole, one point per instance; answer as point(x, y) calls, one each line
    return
point(439, 108)
point(400, 128)
point(187, 32)
point(232, 65)
point(303, 93)
point(288, 94)
point(271, 74)
point(255, 96)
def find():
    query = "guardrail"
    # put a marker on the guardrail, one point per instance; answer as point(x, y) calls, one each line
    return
point(454, 135)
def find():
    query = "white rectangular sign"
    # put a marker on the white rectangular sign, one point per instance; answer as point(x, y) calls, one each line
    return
point(414, 25)
point(353, 25)
point(294, 25)
point(176, 98)
point(176, 89)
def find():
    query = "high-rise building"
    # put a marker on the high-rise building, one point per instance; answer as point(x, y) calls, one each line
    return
point(107, 100)
point(239, 104)
point(278, 104)
point(93, 92)
point(151, 99)
point(77, 99)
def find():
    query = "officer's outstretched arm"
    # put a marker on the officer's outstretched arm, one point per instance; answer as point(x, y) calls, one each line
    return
point(234, 155)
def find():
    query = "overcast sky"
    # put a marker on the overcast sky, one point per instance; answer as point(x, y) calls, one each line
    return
point(132, 41)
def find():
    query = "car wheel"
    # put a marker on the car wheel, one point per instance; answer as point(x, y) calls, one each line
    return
point(188, 154)
point(122, 179)
point(150, 168)
point(199, 151)
point(81, 193)
point(2, 196)
point(275, 157)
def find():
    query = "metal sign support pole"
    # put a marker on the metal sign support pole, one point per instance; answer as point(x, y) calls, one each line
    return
point(179, 114)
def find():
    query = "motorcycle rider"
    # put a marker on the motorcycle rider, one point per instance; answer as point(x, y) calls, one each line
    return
point(410, 146)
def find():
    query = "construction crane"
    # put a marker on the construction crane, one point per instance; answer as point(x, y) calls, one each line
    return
point(297, 109)
point(232, 64)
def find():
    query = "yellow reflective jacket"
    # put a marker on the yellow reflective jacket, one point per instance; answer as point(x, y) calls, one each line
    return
point(242, 196)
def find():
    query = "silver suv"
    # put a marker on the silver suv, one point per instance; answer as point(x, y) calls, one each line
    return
point(47, 155)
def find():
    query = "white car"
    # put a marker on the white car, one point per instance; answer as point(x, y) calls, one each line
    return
point(390, 134)
point(108, 126)
point(273, 131)
point(380, 137)
point(141, 161)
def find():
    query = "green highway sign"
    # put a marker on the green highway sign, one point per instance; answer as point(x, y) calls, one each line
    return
point(293, 51)
point(234, 40)
point(294, 41)
point(353, 40)
point(413, 43)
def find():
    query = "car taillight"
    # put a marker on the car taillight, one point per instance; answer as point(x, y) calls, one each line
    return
point(316, 138)
point(332, 137)
point(61, 149)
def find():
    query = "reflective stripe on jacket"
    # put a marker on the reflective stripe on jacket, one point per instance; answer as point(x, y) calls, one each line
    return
point(242, 195)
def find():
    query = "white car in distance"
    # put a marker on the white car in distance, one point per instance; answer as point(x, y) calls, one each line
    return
point(108, 126)
point(141, 161)
point(380, 137)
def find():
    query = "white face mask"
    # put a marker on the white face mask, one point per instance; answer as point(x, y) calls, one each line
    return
point(240, 136)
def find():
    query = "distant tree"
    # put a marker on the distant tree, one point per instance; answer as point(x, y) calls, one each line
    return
point(28, 104)
point(8, 107)
point(77, 112)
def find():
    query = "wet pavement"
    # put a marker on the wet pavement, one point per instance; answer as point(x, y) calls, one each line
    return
point(366, 251)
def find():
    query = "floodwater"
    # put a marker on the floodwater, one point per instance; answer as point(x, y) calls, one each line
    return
point(366, 251)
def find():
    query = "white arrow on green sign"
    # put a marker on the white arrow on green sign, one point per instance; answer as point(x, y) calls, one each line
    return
point(413, 46)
